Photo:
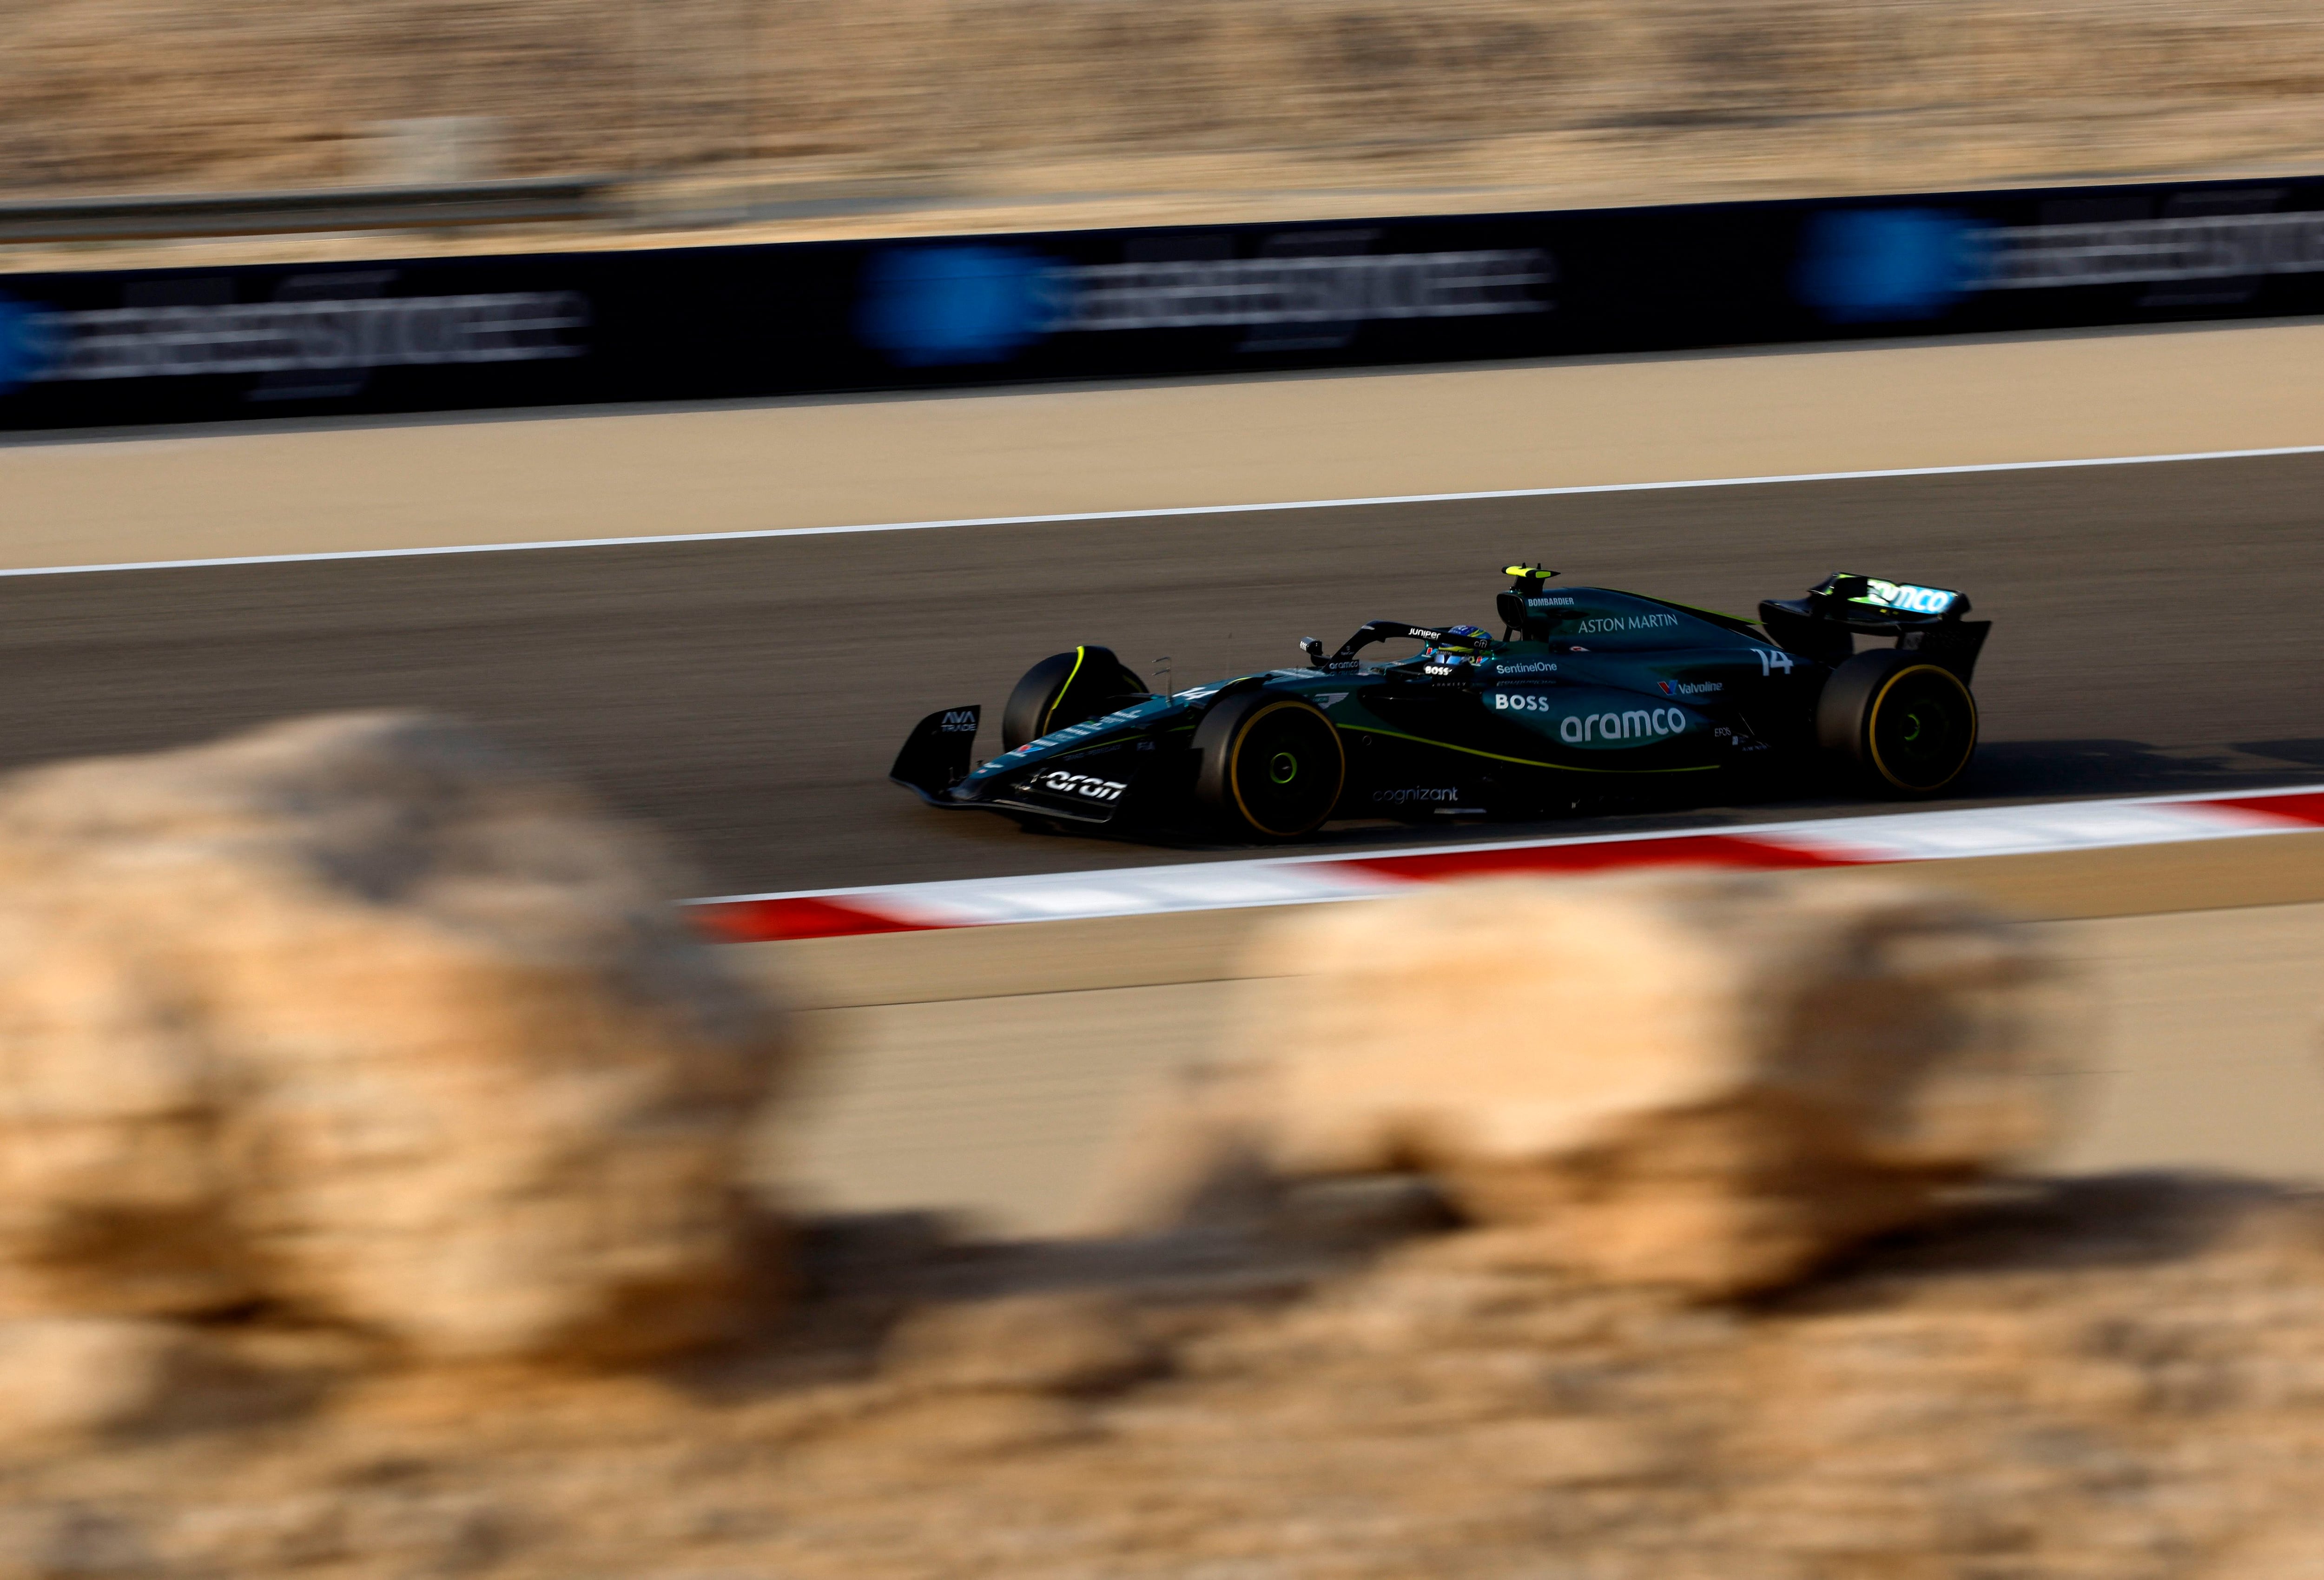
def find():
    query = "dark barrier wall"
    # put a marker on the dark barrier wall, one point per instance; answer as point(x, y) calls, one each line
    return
point(204, 344)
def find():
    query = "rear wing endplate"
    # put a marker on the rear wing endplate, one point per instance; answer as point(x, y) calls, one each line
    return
point(1928, 620)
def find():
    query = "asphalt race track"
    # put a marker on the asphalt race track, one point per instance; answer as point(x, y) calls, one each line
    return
point(2159, 628)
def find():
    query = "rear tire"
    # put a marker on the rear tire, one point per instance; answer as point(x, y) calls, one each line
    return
point(1271, 767)
point(1905, 726)
point(1065, 689)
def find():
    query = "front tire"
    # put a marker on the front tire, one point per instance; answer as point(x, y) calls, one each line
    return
point(1906, 727)
point(1271, 767)
point(1066, 688)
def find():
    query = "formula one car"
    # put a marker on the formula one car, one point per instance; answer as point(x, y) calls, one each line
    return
point(1585, 690)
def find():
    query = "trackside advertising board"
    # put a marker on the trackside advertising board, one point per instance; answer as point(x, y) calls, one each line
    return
point(99, 349)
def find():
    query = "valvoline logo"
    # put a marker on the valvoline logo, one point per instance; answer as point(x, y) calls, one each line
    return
point(24, 348)
point(944, 305)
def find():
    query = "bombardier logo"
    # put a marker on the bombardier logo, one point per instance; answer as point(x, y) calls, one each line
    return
point(1089, 787)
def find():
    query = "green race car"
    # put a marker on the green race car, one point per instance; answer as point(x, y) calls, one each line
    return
point(1587, 691)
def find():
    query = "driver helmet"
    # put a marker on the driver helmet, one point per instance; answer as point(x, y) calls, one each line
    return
point(1462, 641)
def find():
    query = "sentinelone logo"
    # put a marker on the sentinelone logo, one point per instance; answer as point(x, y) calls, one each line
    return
point(2222, 246)
point(1884, 265)
point(326, 334)
point(930, 306)
point(1229, 291)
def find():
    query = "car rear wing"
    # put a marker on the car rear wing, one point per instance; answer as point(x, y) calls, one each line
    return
point(1824, 625)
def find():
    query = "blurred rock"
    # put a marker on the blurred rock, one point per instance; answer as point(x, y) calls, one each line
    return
point(2291, 1549)
point(87, 1377)
point(1193, 1155)
point(427, 150)
point(1059, 1343)
point(2115, 1378)
point(365, 1018)
point(1707, 1080)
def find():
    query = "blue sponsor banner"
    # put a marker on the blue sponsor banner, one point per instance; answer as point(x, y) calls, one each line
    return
point(709, 323)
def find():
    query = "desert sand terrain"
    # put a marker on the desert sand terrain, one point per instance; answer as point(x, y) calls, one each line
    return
point(982, 113)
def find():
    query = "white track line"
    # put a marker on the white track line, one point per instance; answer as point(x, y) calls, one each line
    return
point(1427, 499)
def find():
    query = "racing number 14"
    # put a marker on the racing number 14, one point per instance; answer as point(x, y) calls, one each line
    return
point(1772, 659)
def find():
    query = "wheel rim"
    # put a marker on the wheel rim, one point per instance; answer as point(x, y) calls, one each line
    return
point(1922, 728)
point(1286, 769)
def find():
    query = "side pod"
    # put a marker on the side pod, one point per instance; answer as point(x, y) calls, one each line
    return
point(935, 755)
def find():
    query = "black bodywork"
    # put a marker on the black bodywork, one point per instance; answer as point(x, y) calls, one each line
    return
point(1589, 692)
